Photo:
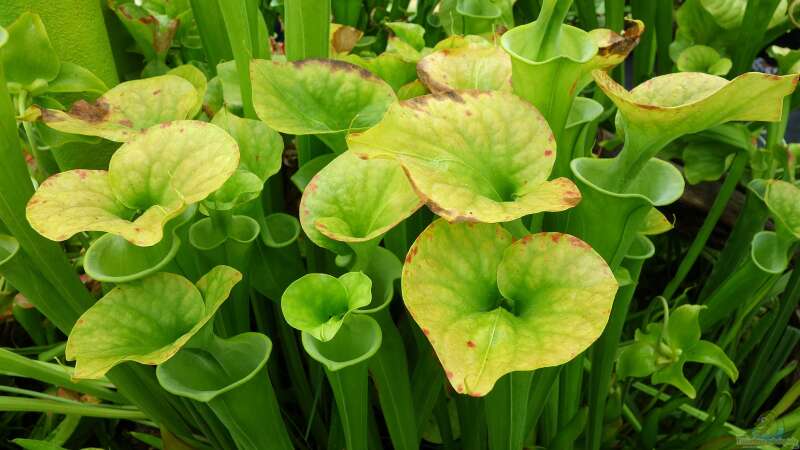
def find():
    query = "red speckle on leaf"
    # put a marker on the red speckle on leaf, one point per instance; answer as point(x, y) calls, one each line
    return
point(474, 394)
point(572, 88)
point(548, 152)
point(470, 344)
point(312, 186)
point(551, 138)
point(526, 239)
point(460, 388)
point(449, 374)
point(426, 332)
point(82, 174)
point(577, 242)
point(126, 123)
point(555, 237)
point(411, 254)
point(572, 197)
point(165, 125)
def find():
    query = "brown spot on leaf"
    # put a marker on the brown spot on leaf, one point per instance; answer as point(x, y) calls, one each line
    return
point(345, 38)
point(449, 374)
point(548, 152)
point(426, 332)
point(89, 112)
point(471, 344)
point(157, 91)
point(126, 123)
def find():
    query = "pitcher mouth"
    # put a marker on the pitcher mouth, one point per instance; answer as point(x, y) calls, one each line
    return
point(581, 50)
point(659, 183)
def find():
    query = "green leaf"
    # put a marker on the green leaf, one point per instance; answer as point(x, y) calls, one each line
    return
point(636, 360)
point(787, 59)
point(490, 306)
point(655, 223)
point(358, 339)
point(261, 152)
point(706, 161)
point(198, 79)
point(673, 374)
point(315, 96)
point(127, 109)
point(146, 321)
point(74, 78)
point(669, 106)
point(411, 90)
point(156, 175)
point(390, 67)
point(683, 327)
point(260, 147)
point(706, 352)
point(701, 58)
point(229, 78)
point(318, 303)
point(411, 33)
point(481, 68)
point(478, 156)
point(697, 101)
point(28, 55)
point(352, 200)
point(729, 13)
point(781, 198)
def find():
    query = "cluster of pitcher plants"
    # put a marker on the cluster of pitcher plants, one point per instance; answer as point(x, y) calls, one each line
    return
point(378, 226)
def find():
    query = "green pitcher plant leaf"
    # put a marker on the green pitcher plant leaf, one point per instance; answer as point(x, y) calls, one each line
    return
point(701, 58)
point(390, 67)
point(74, 78)
point(787, 58)
point(481, 68)
point(411, 33)
point(128, 108)
point(358, 339)
point(490, 306)
point(326, 98)
point(669, 106)
point(783, 200)
point(198, 79)
point(28, 56)
point(146, 321)
point(318, 303)
point(352, 201)
point(260, 151)
point(662, 349)
point(655, 223)
point(150, 180)
point(477, 156)
point(729, 14)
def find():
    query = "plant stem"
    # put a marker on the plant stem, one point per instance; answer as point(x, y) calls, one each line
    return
point(717, 208)
point(57, 407)
point(692, 411)
point(349, 387)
